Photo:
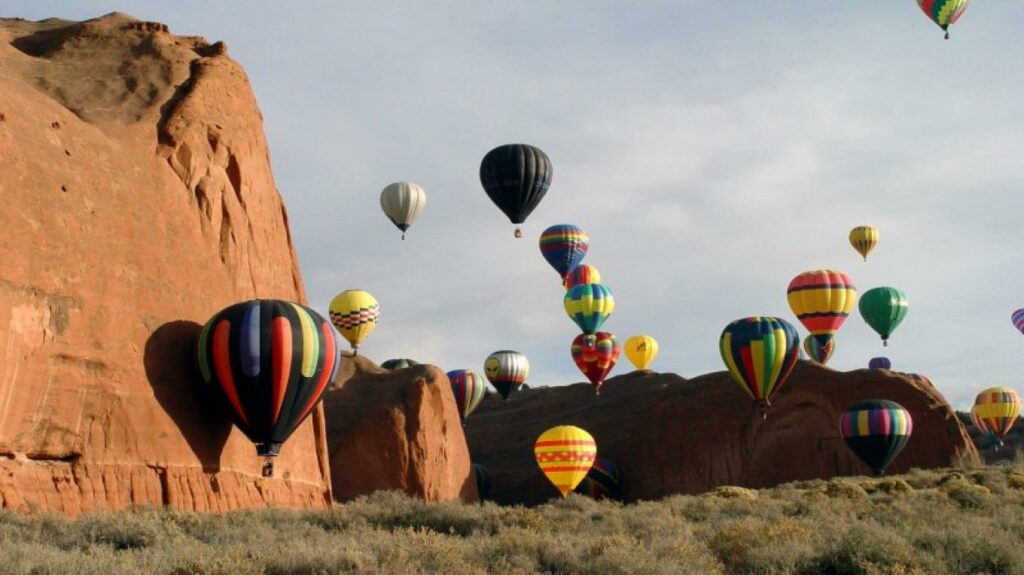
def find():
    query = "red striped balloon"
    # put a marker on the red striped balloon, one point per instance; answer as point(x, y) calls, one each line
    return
point(595, 355)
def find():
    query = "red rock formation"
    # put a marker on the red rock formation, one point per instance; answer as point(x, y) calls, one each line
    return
point(669, 435)
point(396, 430)
point(138, 201)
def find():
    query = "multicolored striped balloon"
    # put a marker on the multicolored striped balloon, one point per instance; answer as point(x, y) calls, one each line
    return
point(602, 481)
point(822, 300)
point(270, 362)
point(818, 352)
point(595, 355)
point(863, 239)
point(995, 411)
point(564, 247)
point(945, 13)
point(355, 313)
point(582, 274)
point(879, 363)
point(876, 431)
point(1018, 320)
point(760, 353)
point(565, 454)
point(398, 363)
point(589, 305)
point(468, 388)
point(883, 308)
point(507, 371)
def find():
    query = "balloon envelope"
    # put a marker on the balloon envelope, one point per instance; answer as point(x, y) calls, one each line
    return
point(883, 308)
point(1018, 320)
point(355, 313)
point(602, 481)
point(582, 274)
point(589, 305)
point(879, 363)
point(822, 300)
point(944, 13)
point(564, 247)
point(507, 371)
point(398, 363)
point(760, 353)
point(516, 177)
point(402, 203)
point(270, 362)
point(817, 351)
point(595, 355)
point(863, 239)
point(876, 431)
point(483, 481)
point(468, 388)
point(996, 410)
point(641, 350)
point(565, 454)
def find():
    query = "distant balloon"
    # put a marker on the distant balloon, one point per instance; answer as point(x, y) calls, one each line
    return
point(879, 363)
point(944, 13)
point(589, 305)
point(601, 482)
point(883, 308)
point(565, 454)
point(355, 313)
point(483, 481)
point(818, 352)
point(641, 350)
point(595, 355)
point(760, 353)
point(401, 363)
point(582, 274)
point(863, 239)
point(995, 411)
point(564, 247)
point(402, 203)
point(1018, 320)
point(516, 177)
point(876, 431)
point(469, 389)
point(270, 362)
point(507, 370)
point(822, 300)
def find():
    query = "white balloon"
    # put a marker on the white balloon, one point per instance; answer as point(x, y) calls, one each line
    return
point(402, 203)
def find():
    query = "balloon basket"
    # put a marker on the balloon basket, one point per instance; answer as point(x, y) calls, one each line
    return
point(518, 233)
point(268, 467)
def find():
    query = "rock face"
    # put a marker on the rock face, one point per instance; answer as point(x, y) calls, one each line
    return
point(669, 435)
point(396, 430)
point(138, 201)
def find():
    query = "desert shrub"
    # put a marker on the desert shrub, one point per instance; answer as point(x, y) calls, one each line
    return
point(844, 489)
point(734, 492)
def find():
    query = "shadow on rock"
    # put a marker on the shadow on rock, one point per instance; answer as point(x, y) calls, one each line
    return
point(177, 385)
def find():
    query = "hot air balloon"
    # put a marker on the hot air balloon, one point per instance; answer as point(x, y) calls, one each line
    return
point(355, 313)
point(601, 482)
point(402, 203)
point(507, 370)
point(995, 411)
point(883, 308)
point(1018, 320)
point(816, 351)
point(469, 389)
point(516, 177)
point(270, 362)
point(565, 454)
point(582, 274)
point(879, 363)
point(483, 481)
point(945, 13)
point(595, 355)
point(876, 431)
point(760, 352)
point(589, 305)
point(399, 363)
point(641, 350)
point(564, 247)
point(863, 239)
point(822, 300)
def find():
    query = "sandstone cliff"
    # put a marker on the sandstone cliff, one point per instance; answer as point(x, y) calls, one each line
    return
point(138, 201)
point(671, 435)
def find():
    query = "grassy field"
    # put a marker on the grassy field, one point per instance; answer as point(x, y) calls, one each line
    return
point(926, 522)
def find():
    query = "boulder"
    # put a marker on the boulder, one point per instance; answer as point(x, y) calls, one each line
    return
point(396, 430)
point(138, 201)
point(670, 435)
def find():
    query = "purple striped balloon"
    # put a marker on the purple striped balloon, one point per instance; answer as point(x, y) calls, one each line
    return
point(879, 363)
point(1018, 320)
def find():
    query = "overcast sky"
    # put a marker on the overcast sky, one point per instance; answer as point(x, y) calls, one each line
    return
point(712, 151)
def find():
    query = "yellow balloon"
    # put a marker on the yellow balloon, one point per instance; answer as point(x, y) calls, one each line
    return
point(565, 454)
point(641, 350)
point(354, 312)
point(863, 239)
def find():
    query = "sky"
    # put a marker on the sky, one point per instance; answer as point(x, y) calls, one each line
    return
point(711, 150)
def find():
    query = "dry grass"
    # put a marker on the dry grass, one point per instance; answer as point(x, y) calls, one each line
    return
point(967, 521)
